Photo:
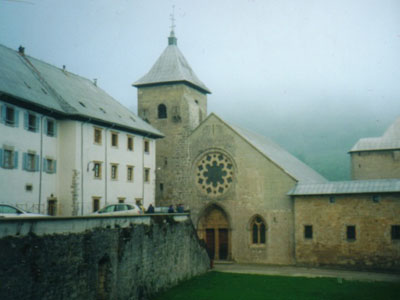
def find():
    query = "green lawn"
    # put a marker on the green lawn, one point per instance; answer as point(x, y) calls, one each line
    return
point(220, 286)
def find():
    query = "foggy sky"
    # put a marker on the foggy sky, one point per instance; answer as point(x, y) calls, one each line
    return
point(266, 62)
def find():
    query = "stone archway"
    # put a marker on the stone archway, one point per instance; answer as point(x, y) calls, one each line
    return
point(214, 228)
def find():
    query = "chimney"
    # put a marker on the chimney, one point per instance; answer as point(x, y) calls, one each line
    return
point(64, 68)
point(95, 82)
point(21, 50)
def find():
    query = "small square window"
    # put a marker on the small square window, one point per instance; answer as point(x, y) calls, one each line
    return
point(395, 232)
point(308, 231)
point(28, 187)
point(351, 232)
point(130, 143)
point(146, 147)
point(114, 139)
point(146, 175)
point(121, 200)
point(97, 136)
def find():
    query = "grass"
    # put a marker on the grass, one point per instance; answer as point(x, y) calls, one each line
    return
point(220, 286)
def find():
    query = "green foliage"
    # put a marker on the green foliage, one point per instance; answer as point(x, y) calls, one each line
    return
point(224, 286)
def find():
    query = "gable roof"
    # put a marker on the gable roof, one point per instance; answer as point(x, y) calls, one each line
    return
point(390, 140)
point(279, 156)
point(43, 85)
point(347, 187)
point(172, 67)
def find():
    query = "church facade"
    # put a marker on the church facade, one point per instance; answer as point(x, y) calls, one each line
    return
point(249, 199)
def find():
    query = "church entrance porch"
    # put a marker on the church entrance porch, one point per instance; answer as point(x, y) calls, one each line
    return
point(214, 229)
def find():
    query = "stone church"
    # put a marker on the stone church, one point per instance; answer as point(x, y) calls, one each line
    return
point(241, 187)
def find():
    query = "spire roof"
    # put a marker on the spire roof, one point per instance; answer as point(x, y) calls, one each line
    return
point(172, 67)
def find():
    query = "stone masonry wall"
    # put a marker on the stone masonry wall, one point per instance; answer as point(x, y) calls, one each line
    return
point(373, 246)
point(375, 164)
point(111, 258)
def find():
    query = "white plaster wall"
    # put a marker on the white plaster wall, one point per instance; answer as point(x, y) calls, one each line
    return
point(13, 181)
point(107, 189)
point(69, 152)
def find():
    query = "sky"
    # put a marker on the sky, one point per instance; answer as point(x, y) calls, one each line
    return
point(273, 66)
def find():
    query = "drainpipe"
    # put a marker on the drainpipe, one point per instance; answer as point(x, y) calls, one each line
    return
point(106, 163)
point(40, 162)
point(82, 173)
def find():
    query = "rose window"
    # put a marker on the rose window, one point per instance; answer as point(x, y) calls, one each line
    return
point(214, 174)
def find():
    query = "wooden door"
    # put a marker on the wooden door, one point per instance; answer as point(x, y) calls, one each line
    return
point(223, 243)
point(210, 242)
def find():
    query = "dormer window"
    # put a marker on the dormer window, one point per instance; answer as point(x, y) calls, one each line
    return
point(162, 111)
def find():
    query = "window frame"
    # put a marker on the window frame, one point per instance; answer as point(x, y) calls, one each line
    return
point(50, 130)
point(146, 146)
point(97, 140)
point(97, 170)
point(46, 165)
point(114, 134)
point(114, 171)
point(12, 162)
point(132, 168)
point(129, 143)
point(31, 161)
point(308, 232)
point(146, 175)
point(258, 231)
point(162, 111)
point(351, 233)
point(395, 232)
point(95, 203)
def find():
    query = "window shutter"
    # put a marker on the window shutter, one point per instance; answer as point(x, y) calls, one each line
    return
point(16, 115)
point(3, 114)
point(36, 162)
point(37, 123)
point(54, 166)
point(55, 128)
point(15, 160)
point(25, 161)
point(44, 164)
point(26, 120)
point(1, 157)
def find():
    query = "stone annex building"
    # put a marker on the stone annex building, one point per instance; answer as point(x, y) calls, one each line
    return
point(252, 201)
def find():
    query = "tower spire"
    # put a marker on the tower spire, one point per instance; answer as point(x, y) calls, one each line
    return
point(172, 40)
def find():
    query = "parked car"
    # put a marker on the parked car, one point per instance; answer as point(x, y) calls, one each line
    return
point(9, 211)
point(119, 209)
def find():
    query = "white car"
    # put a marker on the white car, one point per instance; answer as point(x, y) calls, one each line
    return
point(119, 209)
point(9, 211)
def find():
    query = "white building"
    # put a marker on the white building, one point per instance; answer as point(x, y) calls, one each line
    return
point(67, 147)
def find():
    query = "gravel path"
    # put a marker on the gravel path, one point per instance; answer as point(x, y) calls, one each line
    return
point(305, 272)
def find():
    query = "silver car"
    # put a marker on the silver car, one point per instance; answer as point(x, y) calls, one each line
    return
point(9, 211)
point(119, 209)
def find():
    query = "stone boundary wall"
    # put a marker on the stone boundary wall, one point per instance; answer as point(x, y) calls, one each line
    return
point(123, 257)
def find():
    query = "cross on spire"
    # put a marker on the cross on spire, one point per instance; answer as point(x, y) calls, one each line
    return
point(172, 18)
point(172, 40)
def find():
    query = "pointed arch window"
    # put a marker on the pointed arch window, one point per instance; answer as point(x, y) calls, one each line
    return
point(162, 111)
point(258, 231)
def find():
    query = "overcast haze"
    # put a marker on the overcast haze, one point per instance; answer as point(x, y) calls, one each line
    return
point(313, 75)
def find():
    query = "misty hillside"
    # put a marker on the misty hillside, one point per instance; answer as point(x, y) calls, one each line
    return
point(320, 135)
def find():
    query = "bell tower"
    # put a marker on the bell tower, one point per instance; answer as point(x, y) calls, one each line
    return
point(172, 99)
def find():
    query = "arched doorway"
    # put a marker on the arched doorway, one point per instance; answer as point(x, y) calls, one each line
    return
point(214, 229)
